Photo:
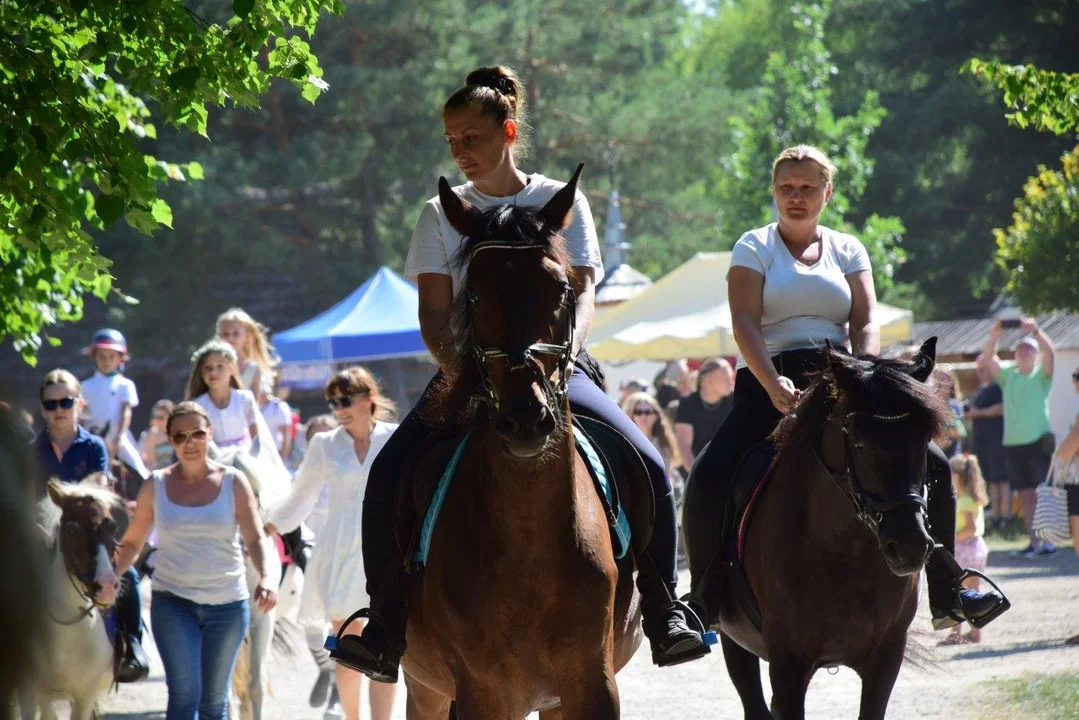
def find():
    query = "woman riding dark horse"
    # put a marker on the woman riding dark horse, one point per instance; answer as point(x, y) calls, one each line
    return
point(794, 286)
point(485, 130)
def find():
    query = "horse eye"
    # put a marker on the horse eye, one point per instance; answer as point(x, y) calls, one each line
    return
point(72, 528)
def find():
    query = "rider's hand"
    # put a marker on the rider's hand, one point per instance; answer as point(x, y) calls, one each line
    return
point(783, 394)
point(265, 597)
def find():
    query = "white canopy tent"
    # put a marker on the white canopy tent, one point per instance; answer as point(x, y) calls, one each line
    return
point(685, 315)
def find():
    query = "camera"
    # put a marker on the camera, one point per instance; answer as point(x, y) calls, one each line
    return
point(1010, 323)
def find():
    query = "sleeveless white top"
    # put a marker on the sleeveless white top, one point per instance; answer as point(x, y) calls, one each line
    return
point(232, 424)
point(199, 557)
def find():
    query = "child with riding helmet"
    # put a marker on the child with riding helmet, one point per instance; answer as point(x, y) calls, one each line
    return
point(111, 397)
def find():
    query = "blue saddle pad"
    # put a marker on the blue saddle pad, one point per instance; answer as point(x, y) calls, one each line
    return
point(620, 529)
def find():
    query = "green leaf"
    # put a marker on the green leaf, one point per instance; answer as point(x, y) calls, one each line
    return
point(310, 92)
point(54, 341)
point(184, 78)
point(195, 171)
point(161, 212)
point(109, 208)
point(242, 8)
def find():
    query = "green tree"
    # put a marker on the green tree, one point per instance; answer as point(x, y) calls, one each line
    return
point(794, 105)
point(82, 83)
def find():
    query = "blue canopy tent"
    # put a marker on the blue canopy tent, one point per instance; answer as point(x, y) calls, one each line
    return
point(378, 321)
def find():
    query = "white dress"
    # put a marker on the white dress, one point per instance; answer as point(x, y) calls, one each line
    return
point(337, 585)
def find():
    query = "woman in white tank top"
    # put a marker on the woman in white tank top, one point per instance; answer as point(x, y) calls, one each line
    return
point(199, 612)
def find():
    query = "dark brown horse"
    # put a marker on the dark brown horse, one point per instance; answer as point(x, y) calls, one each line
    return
point(522, 605)
point(837, 538)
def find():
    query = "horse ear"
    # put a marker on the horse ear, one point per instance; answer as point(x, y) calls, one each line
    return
point(56, 492)
point(842, 368)
point(925, 360)
point(461, 214)
point(556, 213)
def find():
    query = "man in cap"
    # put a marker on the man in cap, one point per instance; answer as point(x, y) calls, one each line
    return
point(1028, 438)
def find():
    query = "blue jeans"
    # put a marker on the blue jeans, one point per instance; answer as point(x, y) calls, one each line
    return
point(198, 646)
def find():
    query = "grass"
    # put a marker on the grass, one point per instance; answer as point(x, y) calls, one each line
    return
point(1012, 538)
point(1039, 697)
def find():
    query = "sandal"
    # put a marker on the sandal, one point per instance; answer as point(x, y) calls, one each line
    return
point(952, 640)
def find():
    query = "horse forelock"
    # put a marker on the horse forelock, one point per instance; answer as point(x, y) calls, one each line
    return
point(87, 499)
point(878, 386)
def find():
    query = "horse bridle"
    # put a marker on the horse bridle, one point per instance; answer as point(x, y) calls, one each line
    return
point(867, 507)
point(74, 577)
point(524, 358)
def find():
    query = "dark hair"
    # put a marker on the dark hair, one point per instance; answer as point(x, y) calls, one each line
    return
point(667, 392)
point(320, 423)
point(498, 93)
point(358, 380)
point(187, 407)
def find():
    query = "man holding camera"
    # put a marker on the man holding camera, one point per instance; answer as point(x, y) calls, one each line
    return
point(1028, 439)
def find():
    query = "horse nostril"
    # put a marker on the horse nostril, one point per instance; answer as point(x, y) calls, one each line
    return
point(545, 424)
point(506, 426)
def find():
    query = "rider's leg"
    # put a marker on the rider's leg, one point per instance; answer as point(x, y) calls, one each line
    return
point(674, 636)
point(377, 652)
point(949, 602)
point(135, 665)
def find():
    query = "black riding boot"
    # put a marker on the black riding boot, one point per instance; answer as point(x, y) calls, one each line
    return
point(673, 629)
point(949, 601)
point(377, 652)
point(135, 665)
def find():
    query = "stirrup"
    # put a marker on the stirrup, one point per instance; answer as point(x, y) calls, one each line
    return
point(951, 619)
point(350, 652)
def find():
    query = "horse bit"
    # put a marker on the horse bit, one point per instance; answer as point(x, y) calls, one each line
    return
point(525, 358)
point(867, 507)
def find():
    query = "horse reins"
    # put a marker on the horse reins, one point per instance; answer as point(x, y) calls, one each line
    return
point(867, 507)
point(525, 358)
point(71, 574)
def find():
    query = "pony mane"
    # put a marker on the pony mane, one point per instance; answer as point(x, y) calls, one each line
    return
point(870, 384)
point(507, 225)
point(49, 513)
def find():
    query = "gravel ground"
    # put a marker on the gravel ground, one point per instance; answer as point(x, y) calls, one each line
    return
point(1028, 639)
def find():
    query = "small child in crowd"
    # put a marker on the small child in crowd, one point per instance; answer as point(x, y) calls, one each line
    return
point(215, 385)
point(970, 548)
point(254, 356)
point(154, 445)
point(110, 398)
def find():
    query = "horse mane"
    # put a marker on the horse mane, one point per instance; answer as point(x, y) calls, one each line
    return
point(508, 225)
point(873, 384)
point(49, 513)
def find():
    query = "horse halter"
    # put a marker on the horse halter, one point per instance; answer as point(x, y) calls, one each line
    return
point(868, 508)
point(75, 578)
point(524, 358)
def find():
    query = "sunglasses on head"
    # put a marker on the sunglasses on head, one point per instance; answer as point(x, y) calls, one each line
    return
point(65, 403)
point(345, 401)
point(181, 437)
point(643, 411)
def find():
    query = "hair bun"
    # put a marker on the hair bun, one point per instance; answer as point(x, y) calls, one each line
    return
point(494, 78)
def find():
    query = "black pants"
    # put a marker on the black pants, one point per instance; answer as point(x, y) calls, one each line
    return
point(585, 398)
point(751, 420)
point(129, 605)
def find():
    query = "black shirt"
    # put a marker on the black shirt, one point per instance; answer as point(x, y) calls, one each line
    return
point(988, 432)
point(704, 418)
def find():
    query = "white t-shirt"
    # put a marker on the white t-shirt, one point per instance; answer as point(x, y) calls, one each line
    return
point(804, 305)
point(278, 418)
point(105, 396)
point(232, 424)
point(435, 242)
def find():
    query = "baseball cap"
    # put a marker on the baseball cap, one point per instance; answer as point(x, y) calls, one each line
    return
point(1029, 342)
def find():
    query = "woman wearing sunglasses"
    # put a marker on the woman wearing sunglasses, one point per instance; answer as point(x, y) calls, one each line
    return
point(650, 418)
point(341, 459)
point(199, 612)
point(66, 450)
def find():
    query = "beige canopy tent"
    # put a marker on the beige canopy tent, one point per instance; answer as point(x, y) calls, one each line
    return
point(685, 314)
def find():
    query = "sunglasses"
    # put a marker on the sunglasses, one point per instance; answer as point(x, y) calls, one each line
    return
point(643, 411)
point(1075, 376)
point(181, 438)
point(345, 401)
point(65, 403)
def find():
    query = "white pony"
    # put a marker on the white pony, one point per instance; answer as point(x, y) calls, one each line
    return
point(79, 659)
point(270, 480)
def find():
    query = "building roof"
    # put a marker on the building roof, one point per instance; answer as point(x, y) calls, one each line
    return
point(621, 283)
point(966, 337)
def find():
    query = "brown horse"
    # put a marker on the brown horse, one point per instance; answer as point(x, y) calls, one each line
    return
point(522, 605)
point(837, 537)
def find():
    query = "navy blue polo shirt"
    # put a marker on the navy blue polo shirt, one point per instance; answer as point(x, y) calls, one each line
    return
point(86, 455)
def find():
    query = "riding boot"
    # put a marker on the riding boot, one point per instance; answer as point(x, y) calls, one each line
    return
point(672, 627)
point(377, 652)
point(135, 665)
point(950, 602)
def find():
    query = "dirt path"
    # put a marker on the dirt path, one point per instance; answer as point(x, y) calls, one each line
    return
point(1028, 639)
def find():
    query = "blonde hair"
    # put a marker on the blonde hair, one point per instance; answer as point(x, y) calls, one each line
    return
point(187, 408)
point(661, 431)
point(968, 478)
point(358, 380)
point(59, 376)
point(949, 372)
point(195, 384)
point(256, 347)
point(802, 153)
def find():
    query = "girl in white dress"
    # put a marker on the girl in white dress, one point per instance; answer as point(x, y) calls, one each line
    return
point(254, 355)
point(215, 385)
point(341, 459)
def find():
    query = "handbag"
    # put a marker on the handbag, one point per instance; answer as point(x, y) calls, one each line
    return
point(1051, 512)
point(1066, 472)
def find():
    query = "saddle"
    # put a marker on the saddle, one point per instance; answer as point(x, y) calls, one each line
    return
point(617, 470)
